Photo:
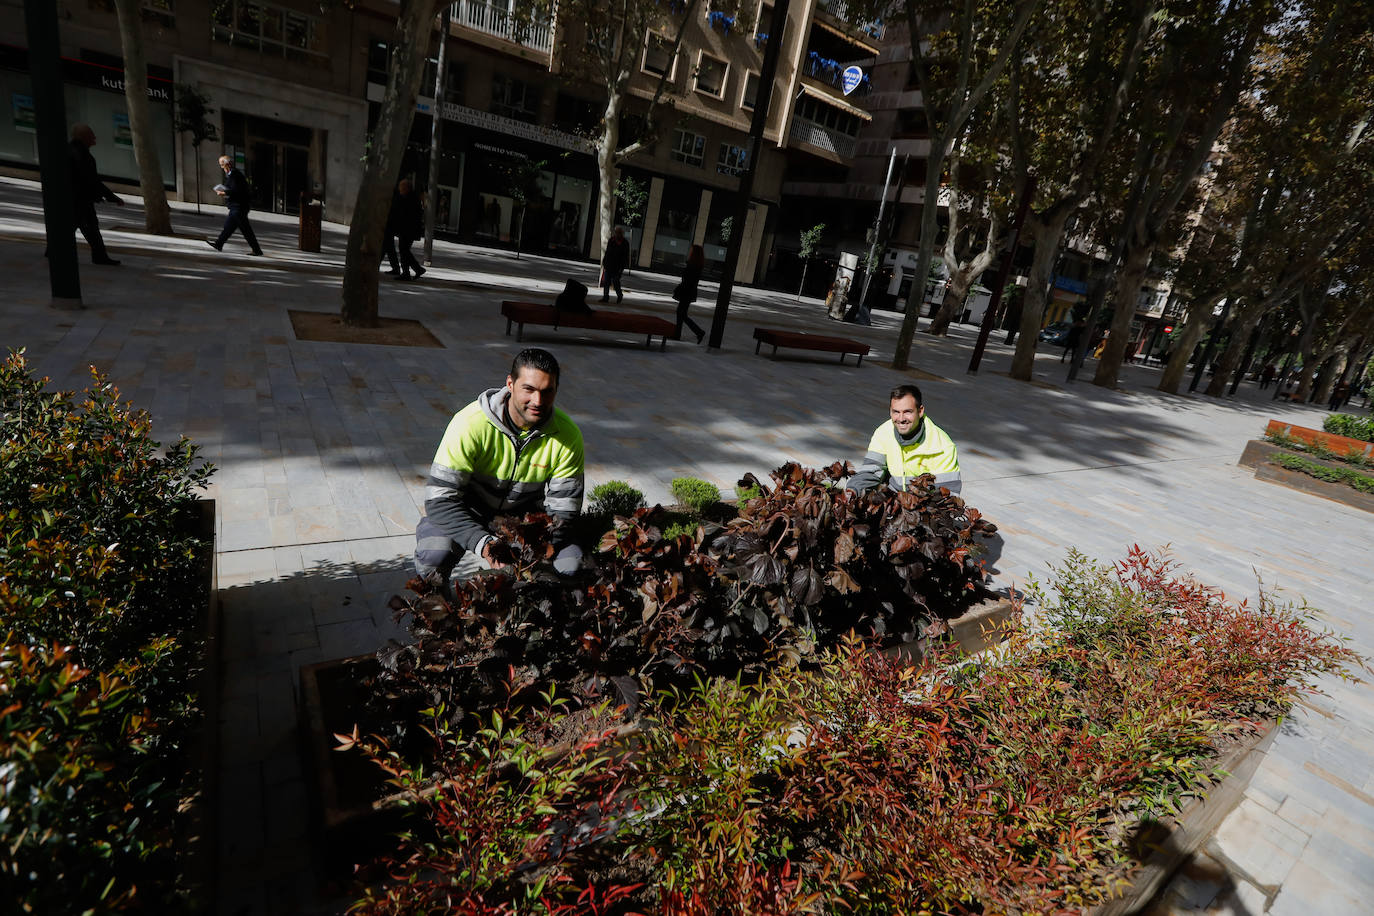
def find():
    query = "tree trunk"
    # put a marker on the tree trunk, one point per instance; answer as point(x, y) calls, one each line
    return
point(806, 265)
point(1046, 235)
point(930, 206)
point(157, 216)
point(1128, 282)
point(362, 262)
point(1241, 328)
point(956, 291)
point(1326, 379)
point(605, 168)
point(1199, 318)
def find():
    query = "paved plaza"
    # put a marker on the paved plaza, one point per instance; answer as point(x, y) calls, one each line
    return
point(322, 451)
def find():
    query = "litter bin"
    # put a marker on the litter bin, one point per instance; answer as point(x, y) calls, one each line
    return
point(311, 213)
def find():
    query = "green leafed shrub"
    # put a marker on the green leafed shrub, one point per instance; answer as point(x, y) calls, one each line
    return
point(698, 495)
point(747, 492)
point(1344, 424)
point(98, 555)
point(1010, 783)
point(1362, 482)
point(614, 497)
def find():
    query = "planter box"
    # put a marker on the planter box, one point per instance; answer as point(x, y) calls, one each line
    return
point(1257, 453)
point(978, 628)
point(1165, 845)
point(1341, 445)
point(355, 808)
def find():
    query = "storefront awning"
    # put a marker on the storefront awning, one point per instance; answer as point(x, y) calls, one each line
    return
point(831, 100)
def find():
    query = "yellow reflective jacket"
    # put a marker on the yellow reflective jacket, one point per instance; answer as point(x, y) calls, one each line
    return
point(890, 460)
point(484, 468)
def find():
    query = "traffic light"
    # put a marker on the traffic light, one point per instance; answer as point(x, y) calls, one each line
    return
point(1168, 329)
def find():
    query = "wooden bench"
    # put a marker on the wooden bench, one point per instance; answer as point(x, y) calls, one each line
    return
point(800, 341)
point(523, 313)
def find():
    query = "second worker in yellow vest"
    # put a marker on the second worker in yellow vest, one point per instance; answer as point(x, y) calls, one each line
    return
point(906, 446)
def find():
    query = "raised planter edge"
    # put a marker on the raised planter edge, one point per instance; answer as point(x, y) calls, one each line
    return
point(1256, 455)
point(1198, 820)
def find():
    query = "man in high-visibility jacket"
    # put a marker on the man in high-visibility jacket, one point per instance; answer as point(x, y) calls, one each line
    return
point(907, 446)
point(507, 453)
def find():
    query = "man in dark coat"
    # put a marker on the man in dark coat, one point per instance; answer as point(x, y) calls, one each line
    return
point(87, 191)
point(613, 264)
point(238, 196)
point(408, 221)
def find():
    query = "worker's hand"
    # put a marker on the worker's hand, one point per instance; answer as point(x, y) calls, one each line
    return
point(220, 193)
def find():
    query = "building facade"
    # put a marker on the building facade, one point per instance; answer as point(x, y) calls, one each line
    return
point(295, 88)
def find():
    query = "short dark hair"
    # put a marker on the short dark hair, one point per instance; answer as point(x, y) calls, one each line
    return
point(534, 358)
point(904, 391)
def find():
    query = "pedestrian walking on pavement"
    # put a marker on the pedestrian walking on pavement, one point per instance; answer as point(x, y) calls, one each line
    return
point(408, 218)
point(613, 264)
point(238, 195)
point(389, 238)
point(87, 191)
point(1073, 338)
point(686, 291)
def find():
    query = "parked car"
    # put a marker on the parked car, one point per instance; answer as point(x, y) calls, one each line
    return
point(1055, 333)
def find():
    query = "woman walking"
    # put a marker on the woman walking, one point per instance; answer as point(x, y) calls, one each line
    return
point(686, 292)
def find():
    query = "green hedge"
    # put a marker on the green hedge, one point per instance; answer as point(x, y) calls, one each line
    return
point(100, 621)
point(1362, 482)
point(1343, 424)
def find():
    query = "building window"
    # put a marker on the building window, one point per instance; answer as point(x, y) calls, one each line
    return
point(268, 29)
point(711, 76)
point(732, 160)
point(827, 116)
point(688, 147)
point(513, 98)
point(161, 12)
point(751, 92)
point(658, 55)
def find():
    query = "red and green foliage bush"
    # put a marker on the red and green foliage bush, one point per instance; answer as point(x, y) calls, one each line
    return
point(97, 559)
point(805, 562)
point(1013, 782)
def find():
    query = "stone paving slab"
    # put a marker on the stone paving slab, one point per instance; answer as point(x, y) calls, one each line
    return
point(322, 450)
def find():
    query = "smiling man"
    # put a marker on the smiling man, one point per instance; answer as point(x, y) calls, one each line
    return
point(507, 453)
point(906, 446)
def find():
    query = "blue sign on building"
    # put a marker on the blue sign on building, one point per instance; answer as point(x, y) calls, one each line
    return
point(850, 79)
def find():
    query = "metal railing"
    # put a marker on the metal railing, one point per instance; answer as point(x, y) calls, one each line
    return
point(809, 132)
point(840, 10)
point(499, 21)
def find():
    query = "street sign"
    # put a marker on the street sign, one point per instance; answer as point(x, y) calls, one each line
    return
point(850, 78)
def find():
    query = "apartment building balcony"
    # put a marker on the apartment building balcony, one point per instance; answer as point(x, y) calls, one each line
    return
point(837, 13)
point(497, 19)
point(832, 144)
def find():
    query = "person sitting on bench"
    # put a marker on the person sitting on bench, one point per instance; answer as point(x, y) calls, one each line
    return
point(907, 446)
point(507, 453)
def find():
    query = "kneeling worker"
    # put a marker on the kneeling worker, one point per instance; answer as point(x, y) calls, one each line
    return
point(507, 453)
point(906, 447)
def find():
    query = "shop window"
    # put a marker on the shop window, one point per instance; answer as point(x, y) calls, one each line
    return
point(270, 30)
point(658, 55)
point(751, 92)
point(688, 147)
point(514, 98)
point(711, 76)
point(732, 160)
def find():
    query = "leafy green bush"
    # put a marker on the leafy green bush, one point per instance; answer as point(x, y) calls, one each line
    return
point(97, 555)
point(698, 495)
point(1343, 424)
point(613, 498)
point(1362, 482)
point(747, 492)
point(1012, 783)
